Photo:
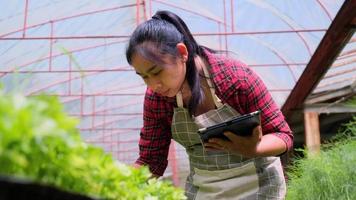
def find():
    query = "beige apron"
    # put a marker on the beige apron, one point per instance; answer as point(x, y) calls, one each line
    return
point(219, 174)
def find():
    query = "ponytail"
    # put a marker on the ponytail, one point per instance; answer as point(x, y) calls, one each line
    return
point(194, 49)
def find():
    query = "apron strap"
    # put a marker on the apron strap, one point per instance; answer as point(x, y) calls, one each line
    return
point(216, 99)
point(179, 99)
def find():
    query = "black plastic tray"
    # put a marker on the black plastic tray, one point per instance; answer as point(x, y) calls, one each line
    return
point(12, 188)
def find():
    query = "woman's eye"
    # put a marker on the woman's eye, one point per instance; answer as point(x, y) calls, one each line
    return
point(152, 74)
point(156, 73)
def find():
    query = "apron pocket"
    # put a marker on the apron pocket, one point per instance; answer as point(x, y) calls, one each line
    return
point(234, 183)
point(271, 178)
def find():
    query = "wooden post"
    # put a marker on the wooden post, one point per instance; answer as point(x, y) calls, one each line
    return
point(312, 132)
point(174, 163)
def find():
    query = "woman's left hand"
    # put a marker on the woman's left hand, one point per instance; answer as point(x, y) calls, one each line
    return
point(242, 145)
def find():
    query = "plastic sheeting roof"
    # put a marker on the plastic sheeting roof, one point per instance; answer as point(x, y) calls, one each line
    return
point(75, 49)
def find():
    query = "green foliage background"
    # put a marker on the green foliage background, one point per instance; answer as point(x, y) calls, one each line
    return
point(329, 175)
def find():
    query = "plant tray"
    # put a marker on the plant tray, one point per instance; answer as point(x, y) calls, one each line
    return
point(20, 189)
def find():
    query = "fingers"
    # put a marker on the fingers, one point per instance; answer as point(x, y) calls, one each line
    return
point(210, 147)
point(257, 132)
point(219, 144)
point(231, 136)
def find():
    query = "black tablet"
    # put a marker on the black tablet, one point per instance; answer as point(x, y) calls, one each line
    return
point(241, 125)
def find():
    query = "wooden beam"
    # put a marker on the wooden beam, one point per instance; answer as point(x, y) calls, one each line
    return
point(318, 98)
point(330, 108)
point(325, 96)
point(335, 38)
point(312, 132)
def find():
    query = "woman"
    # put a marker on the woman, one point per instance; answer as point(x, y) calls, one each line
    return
point(185, 84)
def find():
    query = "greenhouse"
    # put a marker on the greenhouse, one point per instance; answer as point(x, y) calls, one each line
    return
point(81, 117)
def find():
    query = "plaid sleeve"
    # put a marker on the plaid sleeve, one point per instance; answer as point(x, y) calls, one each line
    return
point(255, 96)
point(155, 136)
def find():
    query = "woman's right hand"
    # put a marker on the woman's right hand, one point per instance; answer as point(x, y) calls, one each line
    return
point(135, 165)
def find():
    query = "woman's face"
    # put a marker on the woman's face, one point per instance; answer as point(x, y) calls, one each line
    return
point(165, 79)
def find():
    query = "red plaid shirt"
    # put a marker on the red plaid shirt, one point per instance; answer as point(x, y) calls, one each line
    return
point(236, 84)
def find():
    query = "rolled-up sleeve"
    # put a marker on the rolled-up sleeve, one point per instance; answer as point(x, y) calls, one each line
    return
point(255, 96)
point(155, 136)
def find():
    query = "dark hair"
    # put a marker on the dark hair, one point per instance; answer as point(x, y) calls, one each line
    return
point(159, 36)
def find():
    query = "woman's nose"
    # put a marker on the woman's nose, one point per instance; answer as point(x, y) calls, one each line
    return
point(154, 84)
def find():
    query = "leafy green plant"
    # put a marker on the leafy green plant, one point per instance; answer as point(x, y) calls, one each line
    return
point(38, 141)
point(351, 102)
point(329, 175)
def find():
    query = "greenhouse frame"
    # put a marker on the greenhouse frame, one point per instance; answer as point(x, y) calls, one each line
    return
point(304, 51)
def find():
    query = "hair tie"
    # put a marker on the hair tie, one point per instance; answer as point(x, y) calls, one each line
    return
point(156, 17)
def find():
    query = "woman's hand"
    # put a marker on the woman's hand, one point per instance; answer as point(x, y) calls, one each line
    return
point(245, 146)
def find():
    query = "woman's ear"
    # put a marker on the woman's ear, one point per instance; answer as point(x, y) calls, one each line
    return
point(183, 51)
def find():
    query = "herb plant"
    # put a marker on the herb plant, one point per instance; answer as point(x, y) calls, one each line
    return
point(329, 175)
point(38, 141)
